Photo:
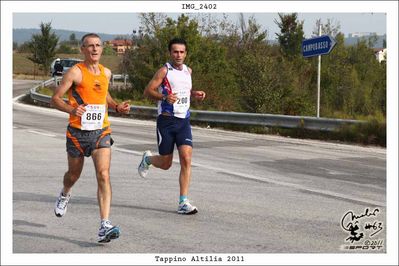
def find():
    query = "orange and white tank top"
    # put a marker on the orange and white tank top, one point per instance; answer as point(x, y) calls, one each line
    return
point(92, 90)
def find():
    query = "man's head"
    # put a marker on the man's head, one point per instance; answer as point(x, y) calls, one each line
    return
point(178, 51)
point(91, 47)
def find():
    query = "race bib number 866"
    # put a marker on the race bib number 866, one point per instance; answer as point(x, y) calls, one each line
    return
point(93, 118)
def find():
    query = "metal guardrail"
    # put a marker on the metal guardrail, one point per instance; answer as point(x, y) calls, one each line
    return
point(119, 76)
point(268, 120)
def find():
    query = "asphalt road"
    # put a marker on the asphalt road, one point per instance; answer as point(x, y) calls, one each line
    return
point(255, 193)
point(22, 86)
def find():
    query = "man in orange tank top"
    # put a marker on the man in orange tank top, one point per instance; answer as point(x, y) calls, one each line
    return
point(88, 132)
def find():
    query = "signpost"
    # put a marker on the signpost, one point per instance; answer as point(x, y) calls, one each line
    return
point(316, 47)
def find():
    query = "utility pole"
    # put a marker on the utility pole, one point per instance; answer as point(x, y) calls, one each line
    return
point(318, 76)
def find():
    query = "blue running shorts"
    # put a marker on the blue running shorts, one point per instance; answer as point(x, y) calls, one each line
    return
point(173, 130)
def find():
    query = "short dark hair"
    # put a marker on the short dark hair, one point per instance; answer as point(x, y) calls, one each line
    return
point(89, 35)
point(177, 41)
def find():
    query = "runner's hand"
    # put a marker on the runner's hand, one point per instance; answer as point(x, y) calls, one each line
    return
point(79, 111)
point(199, 95)
point(171, 98)
point(123, 107)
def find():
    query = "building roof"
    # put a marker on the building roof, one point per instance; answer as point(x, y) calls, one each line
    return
point(121, 42)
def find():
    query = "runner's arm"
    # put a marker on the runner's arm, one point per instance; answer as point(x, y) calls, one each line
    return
point(72, 76)
point(111, 102)
point(198, 95)
point(151, 90)
point(123, 107)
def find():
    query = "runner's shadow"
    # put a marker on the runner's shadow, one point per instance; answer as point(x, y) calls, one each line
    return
point(143, 208)
point(23, 222)
point(27, 196)
point(78, 200)
point(52, 237)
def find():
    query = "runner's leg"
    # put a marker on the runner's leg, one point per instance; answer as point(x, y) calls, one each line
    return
point(75, 166)
point(185, 154)
point(102, 160)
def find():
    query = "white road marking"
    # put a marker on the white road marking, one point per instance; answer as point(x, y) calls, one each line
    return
point(292, 185)
point(42, 133)
point(273, 181)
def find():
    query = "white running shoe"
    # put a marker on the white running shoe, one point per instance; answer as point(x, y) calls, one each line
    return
point(144, 167)
point(186, 208)
point(61, 204)
point(107, 232)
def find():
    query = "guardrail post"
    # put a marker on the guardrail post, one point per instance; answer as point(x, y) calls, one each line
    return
point(56, 81)
point(125, 80)
point(112, 80)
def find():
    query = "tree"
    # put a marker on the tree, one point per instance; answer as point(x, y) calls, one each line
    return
point(65, 48)
point(72, 37)
point(207, 58)
point(298, 71)
point(240, 71)
point(108, 50)
point(251, 33)
point(42, 46)
point(353, 81)
point(72, 40)
point(23, 48)
point(330, 28)
point(291, 34)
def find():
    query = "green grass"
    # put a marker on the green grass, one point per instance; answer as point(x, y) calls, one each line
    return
point(372, 133)
point(46, 91)
point(49, 91)
point(23, 66)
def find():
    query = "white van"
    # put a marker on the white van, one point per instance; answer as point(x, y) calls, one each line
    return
point(67, 63)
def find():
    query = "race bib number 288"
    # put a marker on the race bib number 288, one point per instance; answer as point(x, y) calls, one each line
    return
point(183, 101)
point(93, 118)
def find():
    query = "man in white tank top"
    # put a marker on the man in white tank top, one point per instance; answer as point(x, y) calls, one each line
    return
point(171, 87)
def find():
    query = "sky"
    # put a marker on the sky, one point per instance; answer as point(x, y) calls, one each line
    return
point(125, 23)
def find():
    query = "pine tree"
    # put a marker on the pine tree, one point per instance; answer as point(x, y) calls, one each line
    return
point(291, 35)
point(42, 46)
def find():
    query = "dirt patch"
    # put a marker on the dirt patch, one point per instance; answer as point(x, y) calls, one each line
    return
point(30, 77)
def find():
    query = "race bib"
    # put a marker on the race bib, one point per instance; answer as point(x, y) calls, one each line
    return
point(183, 102)
point(93, 118)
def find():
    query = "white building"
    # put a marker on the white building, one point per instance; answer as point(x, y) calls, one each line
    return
point(381, 54)
point(361, 34)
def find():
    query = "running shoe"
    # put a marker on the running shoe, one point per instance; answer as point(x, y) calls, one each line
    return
point(144, 167)
point(186, 208)
point(61, 204)
point(107, 232)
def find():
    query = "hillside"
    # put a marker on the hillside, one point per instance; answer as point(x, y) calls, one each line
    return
point(22, 35)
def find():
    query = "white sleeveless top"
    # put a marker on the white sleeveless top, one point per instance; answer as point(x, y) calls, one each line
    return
point(179, 82)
